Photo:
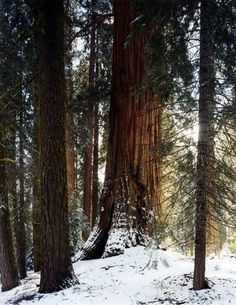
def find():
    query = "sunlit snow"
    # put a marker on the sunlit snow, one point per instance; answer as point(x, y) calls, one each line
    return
point(138, 277)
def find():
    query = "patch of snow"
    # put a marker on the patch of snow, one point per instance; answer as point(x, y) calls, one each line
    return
point(141, 276)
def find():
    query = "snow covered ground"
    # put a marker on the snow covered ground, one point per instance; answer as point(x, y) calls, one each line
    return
point(138, 277)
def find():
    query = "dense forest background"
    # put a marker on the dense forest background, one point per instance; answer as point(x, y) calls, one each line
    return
point(117, 129)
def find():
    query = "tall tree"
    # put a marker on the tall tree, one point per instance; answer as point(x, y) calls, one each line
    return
point(204, 149)
point(131, 172)
point(9, 276)
point(21, 247)
point(56, 267)
point(70, 139)
point(95, 163)
point(214, 63)
point(36, 184)
point(88, 158)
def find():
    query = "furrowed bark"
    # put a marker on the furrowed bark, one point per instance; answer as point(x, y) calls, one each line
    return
point(130, 187)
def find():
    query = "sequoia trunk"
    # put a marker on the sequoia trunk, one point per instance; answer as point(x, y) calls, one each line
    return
point(130, 187)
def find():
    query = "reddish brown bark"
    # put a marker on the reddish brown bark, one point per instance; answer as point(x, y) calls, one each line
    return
point(88, 159)
point(130, 188)
point(213, 242)
point(95, 166)
point(88, 169)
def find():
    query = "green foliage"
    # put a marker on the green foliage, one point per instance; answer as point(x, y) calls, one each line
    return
point(173, 52)
point(159, 233)
point(77, 222)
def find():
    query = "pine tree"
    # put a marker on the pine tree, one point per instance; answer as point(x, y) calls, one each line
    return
point(203, 158)
point(178, 26)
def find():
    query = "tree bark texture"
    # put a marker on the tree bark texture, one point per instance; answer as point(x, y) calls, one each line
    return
point(37, 226)
point(213, 238)
point(70, 154)
point(12, 172)
point(95, 165)
point(21, 247)
point(9, 276)
point(204, 157)
point(88, 158)
point(130, 187)
point(56, 267)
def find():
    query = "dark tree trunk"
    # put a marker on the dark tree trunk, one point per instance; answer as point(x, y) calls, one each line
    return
point(204, 147)
point(56, 267)
point(95, 165)
point(213, 239)
point(36, 225)
point(15, 170)
point(95, 151)
point(131, 173)
point(36, 187)
point(12, 180)
point(88, 167)
point(88, 158)
point(70, 153)
point(9, 276)
point(21, 247)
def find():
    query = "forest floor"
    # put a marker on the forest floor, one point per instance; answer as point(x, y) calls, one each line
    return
point(138, 277)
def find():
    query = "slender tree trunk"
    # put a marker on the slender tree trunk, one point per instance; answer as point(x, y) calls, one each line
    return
point(213, 239)
point(130, 184)
point(157, 206)
point(9, 276)
point(21, 255)
point(95, 165)
point(95, 151)
point(56, 267)
point(37, 226)
point(88, 159)
point(88, 170)
point(70, 154)
point(204, 157)
point(12, 181)
point(213, 243)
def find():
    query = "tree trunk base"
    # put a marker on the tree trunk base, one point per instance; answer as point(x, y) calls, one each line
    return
point(101, 245)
